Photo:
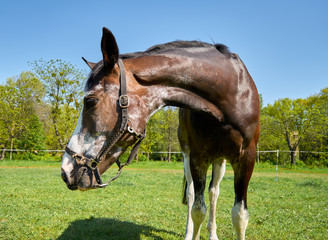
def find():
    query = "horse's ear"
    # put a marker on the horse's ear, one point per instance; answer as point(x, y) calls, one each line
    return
point(109, 49)
point(90, 64)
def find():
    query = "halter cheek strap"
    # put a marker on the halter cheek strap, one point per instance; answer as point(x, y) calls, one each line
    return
point(93, 163)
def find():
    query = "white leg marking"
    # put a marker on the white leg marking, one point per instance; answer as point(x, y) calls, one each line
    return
point(190, 196)
point(198, 213)
point(240, 219)
point(214, 191)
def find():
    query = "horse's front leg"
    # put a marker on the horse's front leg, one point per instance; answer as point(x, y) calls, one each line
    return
point(214, 191)
point(198, 171)
point(190, 197)
point(243, 170)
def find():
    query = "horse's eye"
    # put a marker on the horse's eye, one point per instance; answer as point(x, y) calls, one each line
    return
point(90, 102)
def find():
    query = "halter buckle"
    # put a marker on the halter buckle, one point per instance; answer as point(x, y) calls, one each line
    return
point(123, 101)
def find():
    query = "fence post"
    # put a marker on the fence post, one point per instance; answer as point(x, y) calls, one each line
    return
point(277, 165)
point(258, 153)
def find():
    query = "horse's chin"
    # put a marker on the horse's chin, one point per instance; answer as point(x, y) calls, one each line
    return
point(87, 182)
point(83, 189)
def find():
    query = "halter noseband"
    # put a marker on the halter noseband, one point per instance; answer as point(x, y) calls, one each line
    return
point(126, 125)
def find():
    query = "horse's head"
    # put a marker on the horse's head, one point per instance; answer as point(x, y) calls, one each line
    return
point(105, 127)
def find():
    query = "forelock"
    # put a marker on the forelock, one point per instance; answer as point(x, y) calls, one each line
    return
point(93, 78)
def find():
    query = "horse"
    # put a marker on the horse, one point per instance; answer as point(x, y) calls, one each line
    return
point(218, 120)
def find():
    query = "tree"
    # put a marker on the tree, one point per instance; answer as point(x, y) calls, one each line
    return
point(153, 135)
point(270, 138)
point(63, 83)
point(7, 116)
point(316, 139)
point(170, 129)
point(292, 119)
point(33, 137)
point(19, 99)
point(162, 133)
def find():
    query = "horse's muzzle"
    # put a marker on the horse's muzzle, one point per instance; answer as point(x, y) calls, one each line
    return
point(69, 185)
point(81, 178)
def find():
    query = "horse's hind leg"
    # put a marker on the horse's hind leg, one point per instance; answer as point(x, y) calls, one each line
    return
point(243, 169)
point(214, 190)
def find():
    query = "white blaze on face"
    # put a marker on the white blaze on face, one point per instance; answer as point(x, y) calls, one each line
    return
point(67, 161)
point(82, 143)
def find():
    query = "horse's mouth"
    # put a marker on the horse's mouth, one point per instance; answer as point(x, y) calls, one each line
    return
point(86, 181)
point(82, 180)
point(82, 186)
point(84, 189)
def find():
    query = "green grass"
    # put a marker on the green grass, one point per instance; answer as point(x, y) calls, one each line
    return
point(26, 163)
point(145, 203)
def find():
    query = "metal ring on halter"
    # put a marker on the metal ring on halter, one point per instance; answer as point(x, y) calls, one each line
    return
point(130, 130)
point(93, 164)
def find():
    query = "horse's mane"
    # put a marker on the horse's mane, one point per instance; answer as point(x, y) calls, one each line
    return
point(157, 49)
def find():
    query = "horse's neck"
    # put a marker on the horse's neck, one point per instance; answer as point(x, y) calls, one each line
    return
point(175, 82)
point(216, 84)
point(169, 70)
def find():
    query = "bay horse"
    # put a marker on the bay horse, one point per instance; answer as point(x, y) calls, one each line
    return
point(218, 120)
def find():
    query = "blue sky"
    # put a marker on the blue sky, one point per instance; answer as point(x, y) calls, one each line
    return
point(282, 42)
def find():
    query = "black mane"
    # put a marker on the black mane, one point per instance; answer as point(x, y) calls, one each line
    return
point(176, 45)
point(157, 49)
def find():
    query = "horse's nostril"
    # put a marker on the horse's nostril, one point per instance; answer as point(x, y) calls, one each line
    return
point(64, 177)
point(72, 187)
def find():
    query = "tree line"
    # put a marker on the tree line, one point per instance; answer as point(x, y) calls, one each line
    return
point(39, 110)
point(299, 127)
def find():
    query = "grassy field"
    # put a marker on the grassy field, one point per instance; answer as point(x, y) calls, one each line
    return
point(145, 203)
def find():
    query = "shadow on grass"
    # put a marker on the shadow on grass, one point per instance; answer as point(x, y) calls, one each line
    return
point(104, 228)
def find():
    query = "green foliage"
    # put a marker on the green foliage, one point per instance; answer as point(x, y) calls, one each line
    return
point(317, 138)
point(19, 99)
point(33, 137)
point(64, 90)
point(162, 133)
point(63, 81)
point(39, 110)
point(297, 125)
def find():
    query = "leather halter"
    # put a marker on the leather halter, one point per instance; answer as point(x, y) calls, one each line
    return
point(126, 125)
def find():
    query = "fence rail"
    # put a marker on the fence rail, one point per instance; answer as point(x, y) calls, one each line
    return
point(268, 151)
point(30, 150)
